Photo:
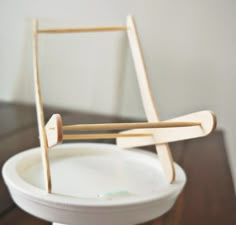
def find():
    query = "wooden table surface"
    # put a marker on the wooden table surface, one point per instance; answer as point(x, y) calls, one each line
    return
point(208, 197)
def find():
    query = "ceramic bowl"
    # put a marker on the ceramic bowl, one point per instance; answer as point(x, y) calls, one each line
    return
point(98, 184)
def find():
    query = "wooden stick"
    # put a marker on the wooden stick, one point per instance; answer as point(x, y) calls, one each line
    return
point(84, 29)
point(39, 111)
point(102, 136)
point(147, 98)
point(125, 126)
point(141, 136)
point(208, 124)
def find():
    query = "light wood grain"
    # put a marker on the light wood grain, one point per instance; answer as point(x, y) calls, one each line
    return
point(103, 136)
point(82, 29)
point(208, 125)
point(125, 126)
point(54, 130)
point(147, 98)
point(39, 111)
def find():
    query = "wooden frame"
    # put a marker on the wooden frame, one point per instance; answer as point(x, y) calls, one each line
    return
point(192, 125)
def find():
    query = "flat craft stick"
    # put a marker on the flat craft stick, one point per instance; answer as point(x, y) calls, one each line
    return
point(208, 124)
point(84, 29)
point(125, 126)
point(54, 130)
point(39, 110)
point(163, 150)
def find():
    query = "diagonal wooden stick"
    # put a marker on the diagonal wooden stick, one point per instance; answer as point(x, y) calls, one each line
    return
point(163, 150)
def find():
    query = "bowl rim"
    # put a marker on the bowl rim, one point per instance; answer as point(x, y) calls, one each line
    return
point(17, 185)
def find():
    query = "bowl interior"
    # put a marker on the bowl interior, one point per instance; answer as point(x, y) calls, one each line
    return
point(94, 171)
point(93, 174)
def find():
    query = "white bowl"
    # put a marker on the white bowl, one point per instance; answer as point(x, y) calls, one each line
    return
point(98, 184)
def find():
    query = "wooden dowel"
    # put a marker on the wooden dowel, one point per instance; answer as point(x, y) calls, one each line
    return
point(101, 136)
point(83, 29)
point(125, 126)
point(39, 110)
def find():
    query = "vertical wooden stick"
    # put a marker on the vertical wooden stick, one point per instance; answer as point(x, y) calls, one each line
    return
point(39, 110)
point(147, 98)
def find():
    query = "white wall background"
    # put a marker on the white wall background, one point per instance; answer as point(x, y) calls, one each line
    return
point(189, 48)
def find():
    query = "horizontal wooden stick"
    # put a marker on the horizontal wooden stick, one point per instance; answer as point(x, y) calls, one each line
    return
point(125, 126)
point(82, 29)
point(208, 124)
point(101, 136)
